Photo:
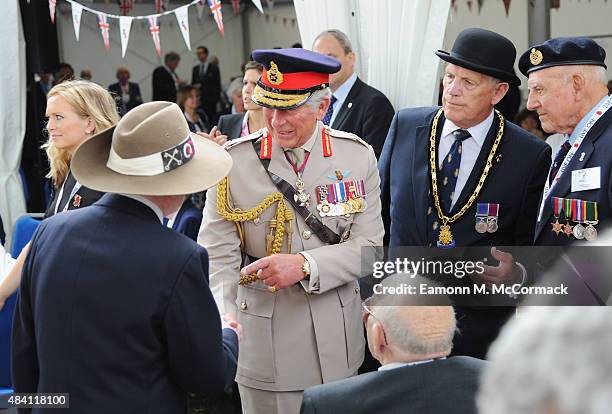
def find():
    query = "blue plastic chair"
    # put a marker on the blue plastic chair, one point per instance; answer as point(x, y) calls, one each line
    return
point(24, 229)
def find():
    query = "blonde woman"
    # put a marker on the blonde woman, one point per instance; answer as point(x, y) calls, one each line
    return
point(75, 111)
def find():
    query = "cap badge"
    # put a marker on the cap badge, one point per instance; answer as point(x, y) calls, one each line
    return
point(535, 57)
point(275, 77)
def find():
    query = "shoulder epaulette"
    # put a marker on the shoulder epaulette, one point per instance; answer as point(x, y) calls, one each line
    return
point(255, 135)
point(347, 135)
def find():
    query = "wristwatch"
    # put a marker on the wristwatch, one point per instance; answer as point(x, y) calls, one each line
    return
point(305, 267)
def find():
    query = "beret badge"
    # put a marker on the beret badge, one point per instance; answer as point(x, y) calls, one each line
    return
point(275, 77)
point(535, 57)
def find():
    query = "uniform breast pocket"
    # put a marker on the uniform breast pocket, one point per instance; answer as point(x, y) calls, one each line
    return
point(258, 231)
point(256, 356)
point(341, 225)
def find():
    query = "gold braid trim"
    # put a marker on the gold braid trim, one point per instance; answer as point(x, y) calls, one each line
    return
point(283, 214)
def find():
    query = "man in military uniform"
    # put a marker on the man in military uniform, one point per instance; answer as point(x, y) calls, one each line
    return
point(462, 175)
point(300, 205)
point(567, 87)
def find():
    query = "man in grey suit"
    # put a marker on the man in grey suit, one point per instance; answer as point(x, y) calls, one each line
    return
point(412, 344)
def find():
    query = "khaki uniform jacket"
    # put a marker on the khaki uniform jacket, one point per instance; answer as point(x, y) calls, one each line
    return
point(311, 332)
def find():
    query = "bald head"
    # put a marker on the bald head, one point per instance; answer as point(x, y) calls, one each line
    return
point(419, 330)
point(408, 328)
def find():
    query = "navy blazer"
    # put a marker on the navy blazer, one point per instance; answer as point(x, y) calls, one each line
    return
point(231, 125)
point(164, 88)
point(135, 97)
point(515, 182)
point(367, 113)
point(438, 387)
point(116, 310)
point(595, 151)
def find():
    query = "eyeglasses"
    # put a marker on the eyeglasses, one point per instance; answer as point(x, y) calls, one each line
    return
point(366, 312)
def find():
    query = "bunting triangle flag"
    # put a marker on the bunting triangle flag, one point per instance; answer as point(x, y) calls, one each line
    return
point(236, 6)
point(507, 6)
point(200, 7)
point(52, 4)
point(182, 16)
point(125, 24)
point(77, 11)
point(104, 29)
point(215, 8)
point(154, 29)
point(257, 4)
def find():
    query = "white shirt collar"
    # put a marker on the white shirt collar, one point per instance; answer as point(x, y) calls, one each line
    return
point(393, 365)
point(478, 132)
point(344, 89)
point(148, 203)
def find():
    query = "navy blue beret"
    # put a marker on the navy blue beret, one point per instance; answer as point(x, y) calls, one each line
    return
point(562, 51)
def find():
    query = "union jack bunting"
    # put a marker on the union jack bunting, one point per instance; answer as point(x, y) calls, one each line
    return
point(104, 29)
point(126, 6)
point(215, 8)
point(52, 4)
point(154, 29)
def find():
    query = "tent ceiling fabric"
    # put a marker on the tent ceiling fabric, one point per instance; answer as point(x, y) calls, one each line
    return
point(13, 108)
point(394, 41)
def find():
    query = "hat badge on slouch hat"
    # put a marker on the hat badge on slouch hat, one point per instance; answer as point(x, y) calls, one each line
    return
point(291, 76)
point(150, 152)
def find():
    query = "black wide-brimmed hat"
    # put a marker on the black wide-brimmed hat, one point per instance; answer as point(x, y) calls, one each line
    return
point(485, 52)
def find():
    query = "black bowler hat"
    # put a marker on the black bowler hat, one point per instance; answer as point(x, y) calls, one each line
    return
point(291, 76)
point(485, 52)
point(562, 51)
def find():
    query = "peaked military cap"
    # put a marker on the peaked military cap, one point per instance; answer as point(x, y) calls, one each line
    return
point(562, 51)
point(291, 76)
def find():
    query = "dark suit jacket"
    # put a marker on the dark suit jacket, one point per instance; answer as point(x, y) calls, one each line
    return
point(515, 182)
point(116, 310)
point(135, 97)
point(164, 88)
point(231, 125)
point(210, 84)
point(367, 113)
point(438, 387)
point(187, 220)
point(597, 150)
point(87, 197)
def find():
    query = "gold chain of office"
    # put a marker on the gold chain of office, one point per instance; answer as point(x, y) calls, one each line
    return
point(283, 214)
point(434, 180)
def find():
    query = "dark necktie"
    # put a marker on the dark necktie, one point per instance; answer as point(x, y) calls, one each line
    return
point(330, 111)
point(447, 180)
point(450, 170)
point(554, 169)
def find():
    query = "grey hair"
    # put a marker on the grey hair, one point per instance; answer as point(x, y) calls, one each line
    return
point(340, 36)
point(551, 357)
point(317, 98)
point(400, 334)
point(592, 73)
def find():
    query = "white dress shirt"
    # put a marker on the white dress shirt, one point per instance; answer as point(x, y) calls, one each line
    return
point(469, 151)
point(393, 365)
point(158, 211)
point(341, 94)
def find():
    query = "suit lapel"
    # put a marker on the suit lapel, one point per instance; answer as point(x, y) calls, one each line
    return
point(563, 187)
point(348, 105)
point(470, 185)
point(421, 184)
